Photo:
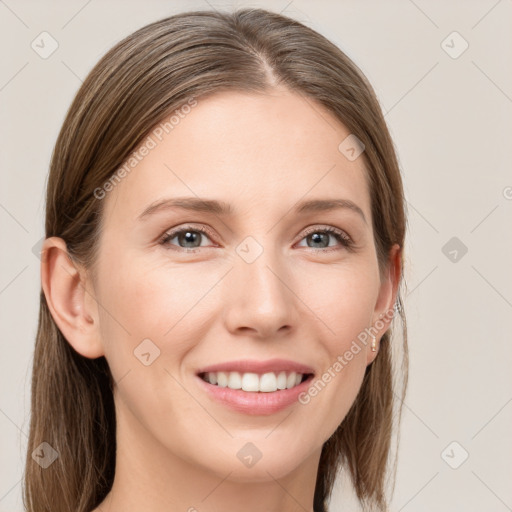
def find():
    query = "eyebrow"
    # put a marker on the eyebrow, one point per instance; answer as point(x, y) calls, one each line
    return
point(197, 204)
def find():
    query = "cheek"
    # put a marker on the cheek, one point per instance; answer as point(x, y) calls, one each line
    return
point(332, 392)
point(150, 310)
point(143, 300)
point(343, 300)
point(342, 297)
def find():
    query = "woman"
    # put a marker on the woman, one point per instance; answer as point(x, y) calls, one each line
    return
point(224, 248)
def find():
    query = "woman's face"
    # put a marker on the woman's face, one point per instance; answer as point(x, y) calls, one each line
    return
point(261, 282)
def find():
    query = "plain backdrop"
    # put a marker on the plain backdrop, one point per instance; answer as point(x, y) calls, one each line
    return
point(442, 72)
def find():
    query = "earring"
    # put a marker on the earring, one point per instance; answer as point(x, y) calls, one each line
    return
point(374, 344)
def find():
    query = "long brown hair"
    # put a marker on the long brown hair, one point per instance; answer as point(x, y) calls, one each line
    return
point(140, 81)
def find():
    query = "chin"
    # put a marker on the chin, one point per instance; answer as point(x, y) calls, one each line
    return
point(266, 464)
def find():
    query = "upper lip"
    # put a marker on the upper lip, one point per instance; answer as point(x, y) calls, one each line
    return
point(260, 367)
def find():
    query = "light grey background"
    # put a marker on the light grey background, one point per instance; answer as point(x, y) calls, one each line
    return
point(451, 120)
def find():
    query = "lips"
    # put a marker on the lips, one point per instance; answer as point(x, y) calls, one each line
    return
point(259, 367)
point(266, 386)
point(252, 402)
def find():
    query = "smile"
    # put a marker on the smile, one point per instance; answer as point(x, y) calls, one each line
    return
point(253, 382)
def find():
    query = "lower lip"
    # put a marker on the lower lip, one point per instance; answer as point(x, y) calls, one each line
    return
point(255, 403)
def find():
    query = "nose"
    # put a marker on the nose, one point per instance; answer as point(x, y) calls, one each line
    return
point(260, 301)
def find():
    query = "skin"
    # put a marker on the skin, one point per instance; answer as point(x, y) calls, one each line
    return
point(298, 300)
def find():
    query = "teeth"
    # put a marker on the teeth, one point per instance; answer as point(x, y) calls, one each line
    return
point(222, 379)
point(252, 382)
point(235, 380)
point(281, 380)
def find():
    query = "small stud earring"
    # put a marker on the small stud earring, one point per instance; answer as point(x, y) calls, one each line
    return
point(374, 344)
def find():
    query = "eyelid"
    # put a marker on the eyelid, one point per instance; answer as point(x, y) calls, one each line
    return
point(328, 228)
point(171, 233)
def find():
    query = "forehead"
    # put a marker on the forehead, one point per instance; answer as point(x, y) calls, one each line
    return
point(270, 150)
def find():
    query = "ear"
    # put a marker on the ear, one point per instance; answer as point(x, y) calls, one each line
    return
point(384, 307)
point(70, 298)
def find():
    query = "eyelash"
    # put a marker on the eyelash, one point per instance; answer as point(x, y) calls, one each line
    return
point(341, 236)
